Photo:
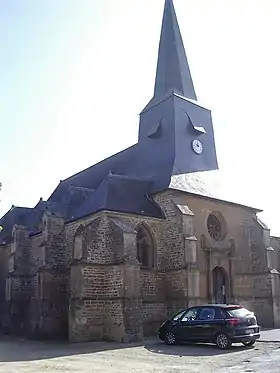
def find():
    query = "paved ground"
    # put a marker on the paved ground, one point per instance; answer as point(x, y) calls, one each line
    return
point(269, 363)
point(150, 357)
point(272, 335)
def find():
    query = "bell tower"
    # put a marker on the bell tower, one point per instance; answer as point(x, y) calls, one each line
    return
point(175, 130)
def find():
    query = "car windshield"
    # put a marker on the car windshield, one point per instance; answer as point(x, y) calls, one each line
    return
point(239, 312)
point(177, 315)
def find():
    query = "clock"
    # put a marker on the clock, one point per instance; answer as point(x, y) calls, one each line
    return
point(197, 146)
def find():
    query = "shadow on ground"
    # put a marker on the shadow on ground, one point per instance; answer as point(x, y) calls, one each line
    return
point(12, 350)
point(192, 349)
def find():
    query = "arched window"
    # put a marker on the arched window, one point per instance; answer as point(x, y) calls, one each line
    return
point(145, 247)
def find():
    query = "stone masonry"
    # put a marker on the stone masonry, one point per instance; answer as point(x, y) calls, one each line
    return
point(83, 280)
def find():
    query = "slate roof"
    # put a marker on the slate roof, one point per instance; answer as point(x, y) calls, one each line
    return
point(173, 70)
point(118, 193)
point(122, 163)
point(16, 215)
point(122, 194)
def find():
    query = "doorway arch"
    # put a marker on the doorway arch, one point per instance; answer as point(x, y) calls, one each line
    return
point(220, 285)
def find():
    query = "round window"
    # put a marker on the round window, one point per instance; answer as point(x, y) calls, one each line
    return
point(216, 227)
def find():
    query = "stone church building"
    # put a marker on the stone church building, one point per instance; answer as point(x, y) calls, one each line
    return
point(119, 246)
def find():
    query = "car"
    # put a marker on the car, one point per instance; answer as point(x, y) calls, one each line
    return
point(222, 324)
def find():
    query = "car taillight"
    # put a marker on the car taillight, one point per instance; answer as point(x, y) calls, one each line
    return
point(233, 322)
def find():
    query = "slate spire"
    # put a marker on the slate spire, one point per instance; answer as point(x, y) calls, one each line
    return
point(176, 133)
point(173, 72)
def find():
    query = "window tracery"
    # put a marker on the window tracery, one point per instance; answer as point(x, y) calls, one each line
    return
point(216, 226)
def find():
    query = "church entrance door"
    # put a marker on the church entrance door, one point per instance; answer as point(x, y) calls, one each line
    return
point(220, 285)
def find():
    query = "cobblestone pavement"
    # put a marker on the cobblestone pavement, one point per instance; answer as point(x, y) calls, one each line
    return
point(150, 357)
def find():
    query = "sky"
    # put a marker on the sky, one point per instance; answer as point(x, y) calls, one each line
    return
point(74, 76)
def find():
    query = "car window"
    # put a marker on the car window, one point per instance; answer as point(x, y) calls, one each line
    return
point(239, 312)
point(190, 315)
point(207, 314)
point(220, 314)
point(178, 315)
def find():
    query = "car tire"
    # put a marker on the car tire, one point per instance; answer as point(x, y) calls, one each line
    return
point(249, 343)
point(223, 341)
point(169, 338)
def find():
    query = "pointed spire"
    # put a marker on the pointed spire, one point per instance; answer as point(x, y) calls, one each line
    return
point(173, 72)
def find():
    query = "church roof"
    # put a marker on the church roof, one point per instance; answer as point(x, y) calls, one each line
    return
point(118, 193)
point(15, 216)
point(122, 194)
point(121, 163)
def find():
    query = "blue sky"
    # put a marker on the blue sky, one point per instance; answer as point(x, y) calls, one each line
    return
point(76, 74)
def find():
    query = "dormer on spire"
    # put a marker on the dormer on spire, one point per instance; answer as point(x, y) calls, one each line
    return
point(173, 72)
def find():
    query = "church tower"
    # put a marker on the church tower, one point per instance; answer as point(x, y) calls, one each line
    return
point(175, 131)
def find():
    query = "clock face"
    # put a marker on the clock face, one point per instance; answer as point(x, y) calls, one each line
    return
point(197, 146)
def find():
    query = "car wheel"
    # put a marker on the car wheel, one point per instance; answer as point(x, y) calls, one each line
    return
point(223, 341)
point(249, 343)
point(170, 339)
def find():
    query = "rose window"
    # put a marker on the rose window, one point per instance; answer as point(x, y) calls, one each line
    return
point(214, 227)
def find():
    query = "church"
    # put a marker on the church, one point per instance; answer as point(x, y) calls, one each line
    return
point(118, 247)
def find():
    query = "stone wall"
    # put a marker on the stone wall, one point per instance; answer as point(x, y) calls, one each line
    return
point(21, 278)
point(273, 259)
point(97, 283)
point(107, 246)
point(180, 278)
point(262, 302)
point(153, 300)
point(3, 286)
point(86, 320)
point(37, 303)
point(53, 303)
point(103, 243)
point(242, 252)
point(275, 254)
point(90, 268)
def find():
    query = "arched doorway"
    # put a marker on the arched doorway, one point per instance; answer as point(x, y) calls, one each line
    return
point(220, 285)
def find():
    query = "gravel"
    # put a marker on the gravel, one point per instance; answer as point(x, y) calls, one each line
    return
point(22, 356)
